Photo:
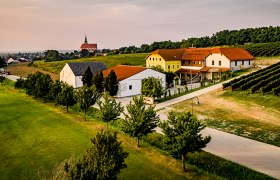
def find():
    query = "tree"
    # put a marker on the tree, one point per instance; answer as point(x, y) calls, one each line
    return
point(109, 108)
point(66, 96)
point(151, 87)
point(111, 84)
point(103, 160)
point(84, 53)
point(55, 90)
point(86, 97)
point(87, 77)
point(157, 68)
point(2, 62)
point(19, 84)
point(182, 134)
point(139, 120)
point(52, 55)
point(2, 79)
point(169, 77)
point(98, 81)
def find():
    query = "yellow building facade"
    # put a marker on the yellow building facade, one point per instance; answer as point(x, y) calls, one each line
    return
point(167, 65)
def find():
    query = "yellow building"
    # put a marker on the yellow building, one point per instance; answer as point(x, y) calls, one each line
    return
point(168, 59)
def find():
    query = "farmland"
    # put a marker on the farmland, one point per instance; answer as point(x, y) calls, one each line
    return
point(265, 81)
point(40, 136)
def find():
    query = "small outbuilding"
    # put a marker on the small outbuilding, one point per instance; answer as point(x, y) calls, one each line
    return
point(72, 72)
point(130, 78)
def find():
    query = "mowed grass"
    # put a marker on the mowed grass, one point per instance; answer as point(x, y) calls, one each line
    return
point(22, 69)
point(254, 116)
point(35, 137)
point(110, 61)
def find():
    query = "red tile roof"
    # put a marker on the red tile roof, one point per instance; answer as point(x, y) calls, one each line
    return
point(235, 54)
point(88, 46)
point(199, 54)
point(213, 69)
point(123, 71)
point(169, 54)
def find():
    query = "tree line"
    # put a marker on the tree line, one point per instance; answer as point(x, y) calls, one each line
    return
point(106, 157)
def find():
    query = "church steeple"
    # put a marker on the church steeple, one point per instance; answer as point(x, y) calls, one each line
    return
point(86, 39)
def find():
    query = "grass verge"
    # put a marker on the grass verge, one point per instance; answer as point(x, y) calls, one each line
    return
point(35, 137)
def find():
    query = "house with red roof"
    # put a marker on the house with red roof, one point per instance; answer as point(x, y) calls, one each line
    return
point(130, 78)
point(87, 46)
point(202, 63)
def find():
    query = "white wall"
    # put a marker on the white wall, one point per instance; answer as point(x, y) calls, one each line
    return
point(216, 57)
point(79, 82)
point(136, 82)
point(237, 65)
point(67, 76)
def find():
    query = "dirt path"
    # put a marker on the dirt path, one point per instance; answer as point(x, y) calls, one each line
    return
point(214, 102)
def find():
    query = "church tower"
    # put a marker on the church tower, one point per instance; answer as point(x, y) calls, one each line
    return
point(86, 39)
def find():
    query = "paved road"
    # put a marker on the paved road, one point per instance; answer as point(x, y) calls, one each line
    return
point(12, 77)
point(256, 155)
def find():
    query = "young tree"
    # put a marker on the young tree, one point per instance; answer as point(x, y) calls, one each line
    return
point(98, 81)
point(87, 77)
point(86, 97)
point(111, 84)
point(19, 84)
point(2, 79)
point(109, 108)
point(151, 87)
point(66, 96)
point(103, 160)
point(182, 134)
point(139, 120)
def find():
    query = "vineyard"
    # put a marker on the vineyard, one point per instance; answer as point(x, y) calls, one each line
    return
point(266, 80)
point(263, 49)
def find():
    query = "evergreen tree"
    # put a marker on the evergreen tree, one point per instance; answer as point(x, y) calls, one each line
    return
point(87, 77)
point(109, 108)
point(103, 160)
point(86, 97)
point(111, 84)
point(66, 96)
point(139, 120)
point(182, 135)
point(2, 62)
point(98, 81)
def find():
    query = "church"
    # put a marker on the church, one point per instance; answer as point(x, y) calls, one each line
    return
point(87, 46)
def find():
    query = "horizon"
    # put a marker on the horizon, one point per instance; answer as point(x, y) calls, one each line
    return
point(41, 25)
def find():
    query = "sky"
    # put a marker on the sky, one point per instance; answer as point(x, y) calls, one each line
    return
point(27, 25)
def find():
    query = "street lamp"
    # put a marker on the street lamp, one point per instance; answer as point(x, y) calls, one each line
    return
point(196, 101)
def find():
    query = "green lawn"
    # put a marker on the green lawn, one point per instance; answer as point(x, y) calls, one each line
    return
point(35, 137)
point(110, 61)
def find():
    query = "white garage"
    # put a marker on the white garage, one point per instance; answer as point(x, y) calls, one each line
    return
point(130, 78)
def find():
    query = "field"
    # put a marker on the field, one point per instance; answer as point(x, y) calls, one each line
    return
point(253, 116)
point(22, 69)
point(35, 137)
point(110, 61)
point(266, 61)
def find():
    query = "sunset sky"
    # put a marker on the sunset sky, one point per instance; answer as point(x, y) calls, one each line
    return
point(62, 24)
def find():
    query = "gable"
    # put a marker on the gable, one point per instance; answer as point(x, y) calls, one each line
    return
point(79, 68)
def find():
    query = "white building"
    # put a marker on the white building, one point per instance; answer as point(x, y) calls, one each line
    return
point(72, 72)
point(130, 78)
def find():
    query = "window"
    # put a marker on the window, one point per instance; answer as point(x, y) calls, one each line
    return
point(160, 59)
point(153, 59)
point(213, 62)
point(235, 63)
point(242, 63)
point(189, 62)
point(173, 66)
point(130, 87)
point(168, 66)
point(178, 66)
point(149, 65)
point(150, 58)
point(249, 62)
point(220, 63)
point(156, 59)
point(194, 62)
